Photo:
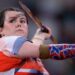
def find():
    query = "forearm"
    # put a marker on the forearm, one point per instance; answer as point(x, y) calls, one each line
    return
point(57, 51)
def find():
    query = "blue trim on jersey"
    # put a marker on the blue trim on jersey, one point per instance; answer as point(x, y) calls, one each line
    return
point(18, 43)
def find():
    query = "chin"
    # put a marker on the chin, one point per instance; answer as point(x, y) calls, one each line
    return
point(22, 35)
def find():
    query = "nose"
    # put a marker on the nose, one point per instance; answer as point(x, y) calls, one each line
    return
point(18, 24)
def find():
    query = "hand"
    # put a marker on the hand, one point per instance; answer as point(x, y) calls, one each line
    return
point(47, 30)
point(42, 34)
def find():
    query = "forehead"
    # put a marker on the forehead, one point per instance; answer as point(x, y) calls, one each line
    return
point(9, 14)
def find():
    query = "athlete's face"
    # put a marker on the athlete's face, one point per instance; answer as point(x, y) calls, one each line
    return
point(15, 23)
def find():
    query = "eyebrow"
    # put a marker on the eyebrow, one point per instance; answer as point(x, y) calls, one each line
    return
point(14, 17)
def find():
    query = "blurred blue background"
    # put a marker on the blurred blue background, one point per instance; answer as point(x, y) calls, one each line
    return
point(59, 15)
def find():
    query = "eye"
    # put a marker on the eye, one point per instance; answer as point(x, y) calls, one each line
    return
point(12, 21)
point(22, 21)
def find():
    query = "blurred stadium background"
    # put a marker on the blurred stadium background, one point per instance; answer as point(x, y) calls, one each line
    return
point(60, 16)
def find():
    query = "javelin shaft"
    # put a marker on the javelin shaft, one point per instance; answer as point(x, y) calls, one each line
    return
point(27, 10)
point(36, 20)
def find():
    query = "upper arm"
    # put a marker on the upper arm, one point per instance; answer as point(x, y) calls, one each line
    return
point(29, 49)
point(19, 46)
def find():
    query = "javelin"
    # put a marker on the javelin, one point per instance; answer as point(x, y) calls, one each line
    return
point(36, 20)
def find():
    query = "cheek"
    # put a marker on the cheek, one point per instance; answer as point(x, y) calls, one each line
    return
point(8, 27)
point(26, 27)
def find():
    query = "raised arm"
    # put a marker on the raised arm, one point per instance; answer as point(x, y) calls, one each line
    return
point(53, 51)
